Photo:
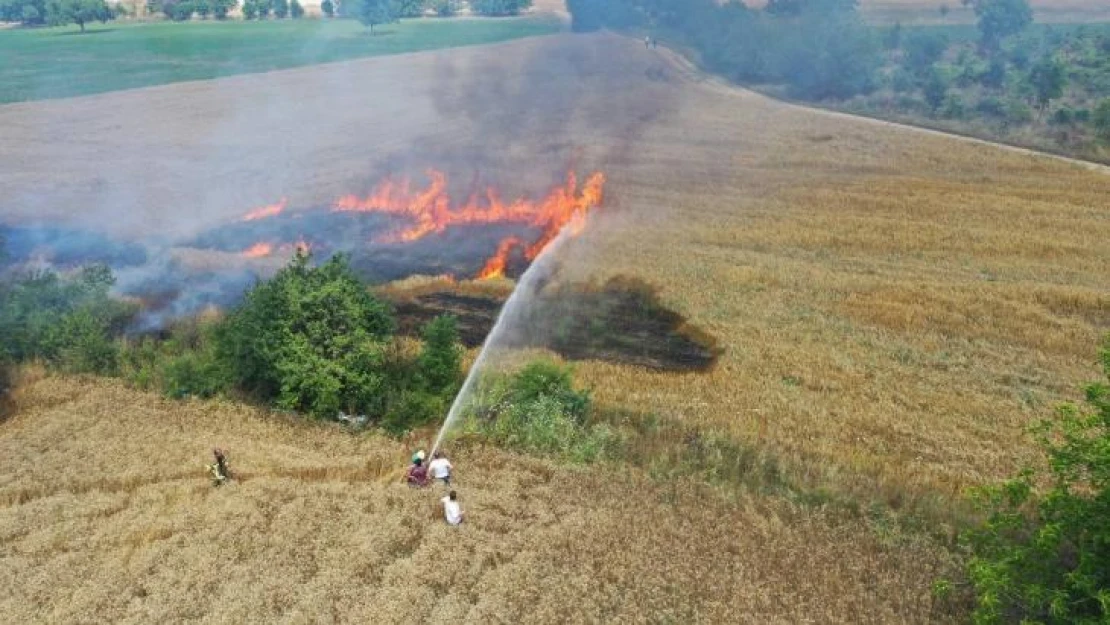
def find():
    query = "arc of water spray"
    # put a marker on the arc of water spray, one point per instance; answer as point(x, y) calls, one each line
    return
point(518, 300)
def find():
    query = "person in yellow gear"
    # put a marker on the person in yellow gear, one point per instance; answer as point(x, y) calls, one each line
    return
point(219, 469)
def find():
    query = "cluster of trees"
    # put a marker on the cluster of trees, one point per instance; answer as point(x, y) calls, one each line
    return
point(182, 10)
point(369, 12)
point(1043, 553)
point(56, 12)
point(374, 12)
point(312, 339)
point(819, 49)
point(822, 50)
point(1011, 75)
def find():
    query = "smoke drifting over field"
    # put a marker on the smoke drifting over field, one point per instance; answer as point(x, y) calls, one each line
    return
point(162, 193)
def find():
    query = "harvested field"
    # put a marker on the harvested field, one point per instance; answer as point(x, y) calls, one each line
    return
point(320, 530)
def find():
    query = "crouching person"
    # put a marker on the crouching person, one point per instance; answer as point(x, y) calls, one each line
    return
point(452, 511)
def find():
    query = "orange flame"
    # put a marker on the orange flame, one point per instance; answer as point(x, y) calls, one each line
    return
point(258, 250)
point(265, 211)
point(431, 211)
point(495, 266)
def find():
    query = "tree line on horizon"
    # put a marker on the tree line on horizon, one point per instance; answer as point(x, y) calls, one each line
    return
point(822, 50)
point(369, 12)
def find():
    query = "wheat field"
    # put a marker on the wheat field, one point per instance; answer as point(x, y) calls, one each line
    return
point(894, 308)
point(319, 529)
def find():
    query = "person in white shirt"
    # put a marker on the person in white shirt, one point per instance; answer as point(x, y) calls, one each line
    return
point(452, 511)
point(440, 468)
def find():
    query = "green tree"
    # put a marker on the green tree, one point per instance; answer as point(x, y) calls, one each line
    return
point(68, 322)
point(1100, 119)
point(440, 359)
point(27, 12)
point(311, 337)
point(1044, 555)
point(995, 75)
point(182, 11)
point(328, 7)
point(999, 19)
point(203, 8)
point(923, 49)
point(250, 9)
point(281, 8)
point(374, 12)
point(30, 15)
point(935, 89)
point(296, 10)
point(408, 8)
point(1048, 78)
point(220, 8)
point(80, 12)
point(265, 7)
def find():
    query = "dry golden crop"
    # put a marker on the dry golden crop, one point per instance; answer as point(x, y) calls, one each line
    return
point(107, 515)
point(894, 308)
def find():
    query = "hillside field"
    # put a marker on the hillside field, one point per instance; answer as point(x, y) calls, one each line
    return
point(893, 309)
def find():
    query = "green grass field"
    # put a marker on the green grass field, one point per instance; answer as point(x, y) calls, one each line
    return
point(45, 63)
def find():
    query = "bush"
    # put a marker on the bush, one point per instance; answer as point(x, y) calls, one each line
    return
point(1017, 112)
point(68, 322)
point(991, 107)
point(413, 408)
point(547, 379)
point(1044, 556)
point(538, 410)
point(953, 107)
point(1063, 117)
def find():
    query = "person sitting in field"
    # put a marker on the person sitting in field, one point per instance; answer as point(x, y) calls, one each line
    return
point(440, 468)
point(452, 511)
point(418, 474)
point(220, 472)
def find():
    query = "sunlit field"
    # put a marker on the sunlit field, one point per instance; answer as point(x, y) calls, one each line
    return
point(892, 309)
point(106, 514)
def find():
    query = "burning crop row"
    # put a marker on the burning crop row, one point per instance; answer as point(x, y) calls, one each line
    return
point(430, 210)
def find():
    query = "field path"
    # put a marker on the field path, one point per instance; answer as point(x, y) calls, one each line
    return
point(690, 72)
